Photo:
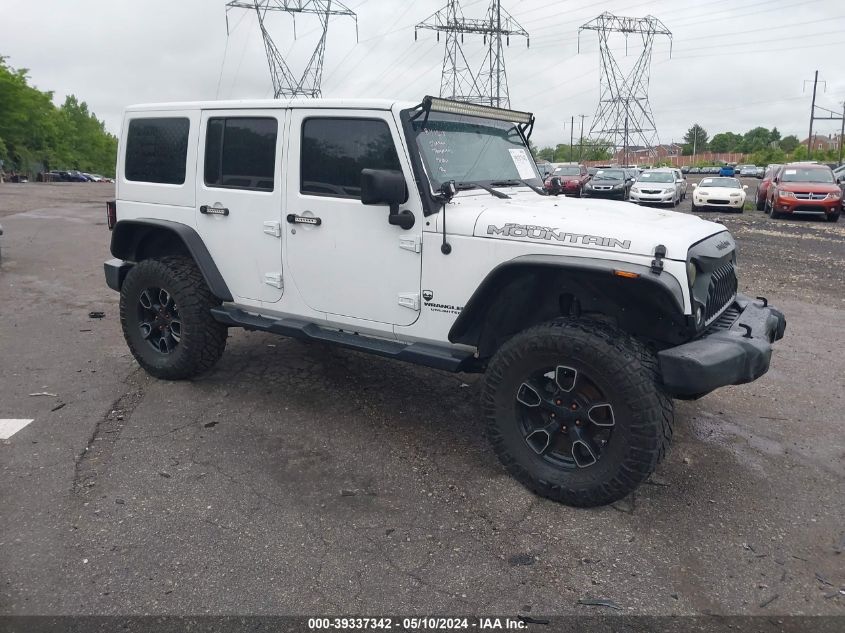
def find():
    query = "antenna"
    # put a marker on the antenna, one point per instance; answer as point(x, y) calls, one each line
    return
point(285, 83)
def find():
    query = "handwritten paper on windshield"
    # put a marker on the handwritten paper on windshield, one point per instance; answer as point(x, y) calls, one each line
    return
point(522, 162)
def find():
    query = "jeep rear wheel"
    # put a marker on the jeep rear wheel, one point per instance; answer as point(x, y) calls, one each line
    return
point(575, 411)
point(165, 313)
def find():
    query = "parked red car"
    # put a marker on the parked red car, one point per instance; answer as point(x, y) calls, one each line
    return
point(567, 179)
point(805, 189)
point(763, 187)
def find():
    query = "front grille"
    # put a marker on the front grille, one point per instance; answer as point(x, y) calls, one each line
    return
point(725, 320)
point(652, 191)
point(810, 196)
point(717, 201)
point(721, 292)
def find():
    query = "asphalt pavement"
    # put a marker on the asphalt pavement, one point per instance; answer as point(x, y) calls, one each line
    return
point(302, 479)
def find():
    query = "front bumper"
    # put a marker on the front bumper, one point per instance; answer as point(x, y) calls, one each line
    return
point(727, 203)
point(116, 270)
point(604, 193)
point(728, 353)
point(797, 206)
point(667, 197)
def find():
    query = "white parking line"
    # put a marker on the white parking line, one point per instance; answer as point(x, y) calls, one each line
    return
point(8, 427)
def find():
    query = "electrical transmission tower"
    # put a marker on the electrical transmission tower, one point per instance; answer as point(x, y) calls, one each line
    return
point(489, 85)
point(624, 113)
point(285, 83)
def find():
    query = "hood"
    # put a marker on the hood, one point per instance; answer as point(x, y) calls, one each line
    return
point(809, 187)
point(586, 223)
point(645, 184)
point(718, 191)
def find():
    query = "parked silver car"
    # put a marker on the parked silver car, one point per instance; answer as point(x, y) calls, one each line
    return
point(658, 186)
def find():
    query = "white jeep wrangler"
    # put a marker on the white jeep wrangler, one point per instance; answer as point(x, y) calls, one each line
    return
point(421, 232)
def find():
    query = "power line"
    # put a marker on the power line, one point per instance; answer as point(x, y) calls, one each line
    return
point(624, 110)
point(489, 85)
point(285, 83)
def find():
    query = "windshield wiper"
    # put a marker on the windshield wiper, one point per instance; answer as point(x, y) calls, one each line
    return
point(471, 185)
point(512, 183)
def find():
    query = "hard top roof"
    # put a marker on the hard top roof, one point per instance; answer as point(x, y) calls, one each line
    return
point(266, 104)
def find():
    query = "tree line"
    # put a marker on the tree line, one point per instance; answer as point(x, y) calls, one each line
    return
point(591, 149)
point(764, 146)
point(36, 135)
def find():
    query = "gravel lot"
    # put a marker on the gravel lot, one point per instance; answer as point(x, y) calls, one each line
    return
point(299, 479)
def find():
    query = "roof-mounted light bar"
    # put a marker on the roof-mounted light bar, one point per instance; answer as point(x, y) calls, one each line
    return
point(436, 104)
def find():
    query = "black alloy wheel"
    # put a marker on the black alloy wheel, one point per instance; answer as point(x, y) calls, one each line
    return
point(564, 417)
point(158, 319)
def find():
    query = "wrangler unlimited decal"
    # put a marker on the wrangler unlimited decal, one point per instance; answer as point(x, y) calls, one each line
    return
point(547, 233)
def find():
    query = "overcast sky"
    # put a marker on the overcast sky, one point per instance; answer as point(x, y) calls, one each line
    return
point(735, 64)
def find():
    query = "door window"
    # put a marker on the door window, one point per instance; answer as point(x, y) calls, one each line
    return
point(335, 150)
point(240, 153)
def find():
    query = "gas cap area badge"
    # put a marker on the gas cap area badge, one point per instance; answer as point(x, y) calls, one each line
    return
point(551, 234)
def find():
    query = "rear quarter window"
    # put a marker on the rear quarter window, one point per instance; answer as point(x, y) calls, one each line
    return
point(157, 150)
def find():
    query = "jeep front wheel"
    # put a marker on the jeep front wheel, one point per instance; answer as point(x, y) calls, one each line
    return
point(165, 313)
point(575, 411)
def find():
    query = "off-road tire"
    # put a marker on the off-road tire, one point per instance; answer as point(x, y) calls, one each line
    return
point(202, 338)
point(641, 435)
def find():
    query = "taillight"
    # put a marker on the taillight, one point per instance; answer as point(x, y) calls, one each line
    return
point(111, 213)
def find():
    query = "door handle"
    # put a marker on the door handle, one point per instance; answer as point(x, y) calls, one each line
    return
point(209, 210)
point(303, 219)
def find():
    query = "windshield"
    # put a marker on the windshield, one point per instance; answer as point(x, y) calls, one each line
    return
point(567, 171)
point(470, 149)
point(806, 174)
point(731, 183)
point(610, 174)
point(656, 176)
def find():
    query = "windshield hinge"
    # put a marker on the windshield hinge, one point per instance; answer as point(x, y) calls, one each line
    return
point(410, 300)
point(274, 279)
point(411, 243)
point(273, 228)
point(657, 262)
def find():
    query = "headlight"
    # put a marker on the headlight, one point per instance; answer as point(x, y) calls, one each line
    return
point(834, 196)
point(692, 272)
point(617, 186)
point(735, 195)
point(635, 190)
point(786, 194)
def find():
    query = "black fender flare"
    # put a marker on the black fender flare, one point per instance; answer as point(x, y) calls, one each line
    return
point(663, 287)
point(128, 234)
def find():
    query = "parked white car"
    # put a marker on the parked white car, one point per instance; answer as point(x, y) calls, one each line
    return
point(724, 192)
point(657, 186)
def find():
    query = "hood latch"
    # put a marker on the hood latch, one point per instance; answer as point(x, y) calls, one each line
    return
point(657, 262)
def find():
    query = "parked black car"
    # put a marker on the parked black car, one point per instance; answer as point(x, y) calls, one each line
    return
point(609, 183)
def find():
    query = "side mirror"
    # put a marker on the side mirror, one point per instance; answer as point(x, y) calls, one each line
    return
point(694, 185)
point(745, 186)
point(384, 186)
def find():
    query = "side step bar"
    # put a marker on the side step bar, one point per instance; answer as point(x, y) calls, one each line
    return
point(438, 357)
